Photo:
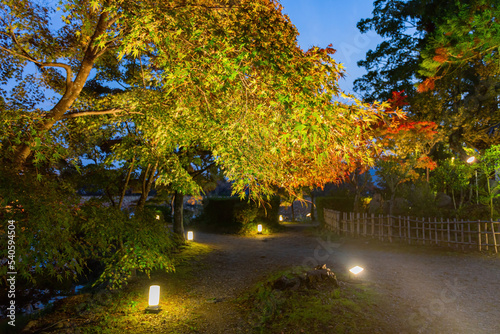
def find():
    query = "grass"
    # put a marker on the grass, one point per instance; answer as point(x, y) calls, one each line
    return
point(350, 308)
point(123, 310)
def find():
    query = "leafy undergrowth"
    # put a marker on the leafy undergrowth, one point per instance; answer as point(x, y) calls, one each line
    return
point(349, 308)
point(123, 310)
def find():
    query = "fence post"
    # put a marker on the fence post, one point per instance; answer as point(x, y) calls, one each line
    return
point(462, 232)
point(389, 229)
point(486, 241)
point(423, 231)
point(479, 234)
point(353, 225)
point(373, 225)
point(448, 228)
point(470, 234)
point(381, 227)
point(358, 222)
point(417, 229)
point(409, 229)
point(442, 230)
point(494, 237)
point(436, 229)
point(364, 223)
point(399, 226)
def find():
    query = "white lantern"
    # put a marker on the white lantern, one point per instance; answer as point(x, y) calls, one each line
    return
point(190, 236)
point(154, 299)
point(259, 228)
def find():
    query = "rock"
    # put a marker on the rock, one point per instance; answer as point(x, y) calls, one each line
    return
point(442, 200)
point(284, 283)
point(376, 204)
point(321, 273)
point(309, 279)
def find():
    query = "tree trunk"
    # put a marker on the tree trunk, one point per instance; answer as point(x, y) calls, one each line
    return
point(356, 202)
point(178, 214)
point(312, 207)
point(126, 183)
point(146, 186)
point(453, 197)
point(73, 90)
point(391, 205)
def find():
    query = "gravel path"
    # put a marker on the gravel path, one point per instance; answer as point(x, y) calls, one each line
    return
point(422, 292)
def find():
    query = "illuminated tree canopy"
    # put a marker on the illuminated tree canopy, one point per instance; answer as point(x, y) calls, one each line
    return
point(224, 76)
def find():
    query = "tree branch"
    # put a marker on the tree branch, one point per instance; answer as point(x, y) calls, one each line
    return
point(69, 72)
point(113, 112)
point(26, 56)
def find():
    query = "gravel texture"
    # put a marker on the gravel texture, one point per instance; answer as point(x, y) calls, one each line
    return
point(421, 290)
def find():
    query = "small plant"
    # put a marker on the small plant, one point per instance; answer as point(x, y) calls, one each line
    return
point(324, 309)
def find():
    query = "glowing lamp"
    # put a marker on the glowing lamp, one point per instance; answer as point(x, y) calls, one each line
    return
point(190, 236)
point(154, 299)
point(471, 160)
point(356, 270)
point(259, 228)
point(281, 218)
point(157, 217)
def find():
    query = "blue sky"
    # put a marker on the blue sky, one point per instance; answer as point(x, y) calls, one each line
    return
point(321, 22)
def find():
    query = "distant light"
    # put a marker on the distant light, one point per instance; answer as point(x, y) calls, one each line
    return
point(158, 217)
point(259, 228)
point(154, 299)
point(190, 235)
point(308, 215)
point(471, 160)
point(356, 270)
point(281, 218)
point(452, 160)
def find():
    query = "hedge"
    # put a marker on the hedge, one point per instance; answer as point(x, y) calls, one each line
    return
point(221, 213)
point(344, 204)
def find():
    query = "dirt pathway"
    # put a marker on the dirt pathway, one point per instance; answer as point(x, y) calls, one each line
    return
point(422, 292)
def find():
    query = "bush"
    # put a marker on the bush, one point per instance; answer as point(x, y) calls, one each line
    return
point(164, 211)
point(232, 215)
point(125, 244)
point(57, 239)
point(344, 204)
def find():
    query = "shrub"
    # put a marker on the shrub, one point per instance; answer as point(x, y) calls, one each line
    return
point(344, 204)
point(232, 215)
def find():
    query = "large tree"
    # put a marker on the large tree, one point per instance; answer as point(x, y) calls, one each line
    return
point(227, 75)
point(444, 54)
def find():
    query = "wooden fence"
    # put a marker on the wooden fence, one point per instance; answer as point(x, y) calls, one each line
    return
point(473, 234)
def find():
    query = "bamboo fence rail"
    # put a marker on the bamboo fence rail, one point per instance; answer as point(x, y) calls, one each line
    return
point(482, 235)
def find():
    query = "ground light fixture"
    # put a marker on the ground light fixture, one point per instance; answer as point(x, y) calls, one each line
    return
point(356, 270)
point(281, 218)
point(157, 217)
point(190, 236)
point(259, 229)
point(471, 160)
point(154, 299)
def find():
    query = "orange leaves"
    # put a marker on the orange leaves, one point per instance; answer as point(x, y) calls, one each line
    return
point(427, 85)
point(426, 162)
point(398, 100)
point(442, 55)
